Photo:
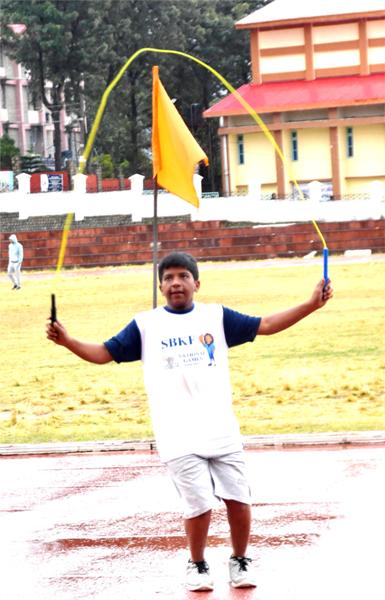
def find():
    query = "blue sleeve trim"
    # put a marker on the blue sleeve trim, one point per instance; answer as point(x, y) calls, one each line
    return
point(126, 346)
point(239, 328)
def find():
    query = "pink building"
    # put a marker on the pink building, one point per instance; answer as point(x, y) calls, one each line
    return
point(27, 122)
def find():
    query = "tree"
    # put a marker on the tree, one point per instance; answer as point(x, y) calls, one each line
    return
point(126, 128)
point(55, 47)
point(106, 164)
point(210, 35)
point(8, 150)
point(203, 28)
point(79, 42)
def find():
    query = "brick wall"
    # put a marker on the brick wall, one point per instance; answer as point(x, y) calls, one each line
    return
point(114, 240)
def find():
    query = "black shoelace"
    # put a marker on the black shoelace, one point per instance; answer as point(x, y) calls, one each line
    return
point(243, 562)
point(202, 566)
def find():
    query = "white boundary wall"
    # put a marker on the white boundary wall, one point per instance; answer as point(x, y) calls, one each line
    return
point(234, 208)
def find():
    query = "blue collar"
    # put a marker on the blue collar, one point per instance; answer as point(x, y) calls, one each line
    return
point(184, 311)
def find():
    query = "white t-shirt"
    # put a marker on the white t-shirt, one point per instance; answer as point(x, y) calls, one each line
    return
point(186, 375)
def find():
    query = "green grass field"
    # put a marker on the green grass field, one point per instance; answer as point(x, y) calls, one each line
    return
point(327, 373)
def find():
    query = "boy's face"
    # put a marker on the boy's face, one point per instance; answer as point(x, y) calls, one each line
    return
point(178, 287)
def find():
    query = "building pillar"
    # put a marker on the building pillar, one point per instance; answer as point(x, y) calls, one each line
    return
point(256, 76)
point(279, 166)
point(21, 117)
point(224, 145)
point(363, 42)
point(309, 53)
point(226, 187)
point(335, 157)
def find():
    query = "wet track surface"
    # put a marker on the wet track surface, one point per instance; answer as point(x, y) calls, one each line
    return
point(107, 526)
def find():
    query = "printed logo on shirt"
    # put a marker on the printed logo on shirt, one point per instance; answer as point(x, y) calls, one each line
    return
point(181, 351)
point(177, 341)
point(208, 342)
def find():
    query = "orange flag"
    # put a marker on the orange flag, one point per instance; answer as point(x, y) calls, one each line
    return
point(175, 153)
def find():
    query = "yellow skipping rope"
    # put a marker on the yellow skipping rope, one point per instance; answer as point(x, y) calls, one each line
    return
point(232, 90)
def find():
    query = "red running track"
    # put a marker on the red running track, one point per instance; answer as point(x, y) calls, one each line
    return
point(107, 526)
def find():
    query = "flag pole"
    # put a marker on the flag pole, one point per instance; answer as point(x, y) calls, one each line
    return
point(155, 246)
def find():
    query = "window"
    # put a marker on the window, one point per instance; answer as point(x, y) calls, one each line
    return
point(349, 142)
point(33, 102)
point(8, 66)
point(10, 103)
point(294, 145)
point(28, 140)
point(241, 150)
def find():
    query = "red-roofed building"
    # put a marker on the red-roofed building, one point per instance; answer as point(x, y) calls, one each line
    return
point(318, 83)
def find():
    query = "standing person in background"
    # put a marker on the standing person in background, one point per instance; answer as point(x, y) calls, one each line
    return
point(15, 259)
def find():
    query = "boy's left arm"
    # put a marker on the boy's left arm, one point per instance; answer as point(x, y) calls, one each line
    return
point(282, 320)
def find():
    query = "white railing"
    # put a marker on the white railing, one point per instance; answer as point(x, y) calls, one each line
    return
point(139, 205)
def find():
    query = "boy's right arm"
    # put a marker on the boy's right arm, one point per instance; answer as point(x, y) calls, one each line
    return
point(94, 353)
point(282, 320)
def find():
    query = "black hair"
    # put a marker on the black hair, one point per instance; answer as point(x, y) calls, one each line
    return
point(178, 259)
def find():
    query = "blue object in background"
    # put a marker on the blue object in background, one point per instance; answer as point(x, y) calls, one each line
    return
point(7, 182)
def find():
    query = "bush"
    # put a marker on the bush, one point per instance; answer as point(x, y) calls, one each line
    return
point(105, 162)
point(125, 168)
point(8, 150)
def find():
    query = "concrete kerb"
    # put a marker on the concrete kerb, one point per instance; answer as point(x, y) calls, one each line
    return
point(276, 441)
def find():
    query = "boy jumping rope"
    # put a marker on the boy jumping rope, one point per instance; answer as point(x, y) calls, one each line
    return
point(197, 434)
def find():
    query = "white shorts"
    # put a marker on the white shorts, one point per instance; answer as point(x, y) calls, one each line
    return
point(201, 481)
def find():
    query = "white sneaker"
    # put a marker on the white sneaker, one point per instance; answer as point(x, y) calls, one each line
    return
point(198, 576)
point(241, 574)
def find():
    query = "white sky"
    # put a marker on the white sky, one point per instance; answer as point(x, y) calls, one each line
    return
point(294, 9)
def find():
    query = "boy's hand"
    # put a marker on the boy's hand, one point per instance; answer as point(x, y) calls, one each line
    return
point(56, 332)
point(322, 293)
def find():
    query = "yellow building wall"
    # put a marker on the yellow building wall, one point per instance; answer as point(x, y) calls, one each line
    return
point(342, 32)
point(313, 155)
point(280, 38)
point(337, 58)
point(368, 161)
point(283, 64)
point(361, 186)
point(376, 29)
point(376, 56)
point(314, 159)
point(259, 163)
point(322, 34)
point(368, 158)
